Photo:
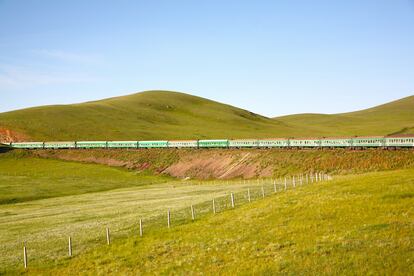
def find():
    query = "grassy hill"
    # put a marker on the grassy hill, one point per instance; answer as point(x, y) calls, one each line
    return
point(173, 115)
point(354, 225)
point(146, 115)
point(392, 118)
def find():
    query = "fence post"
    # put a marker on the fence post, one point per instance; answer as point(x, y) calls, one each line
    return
point(169, 218)
point(192, 213)
point(263, 192)
point(232, 200)
point(70, 246)
point(248, 195)
point(285, 183)
point(141, 231)
point(293, 182)
point(307, 180)
point(316, 177)
point(108, 238)
point(214, 206)
point(274, 186)
point(24, 255)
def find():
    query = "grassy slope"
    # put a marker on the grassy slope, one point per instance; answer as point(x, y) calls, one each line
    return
point(147, 115)
point(205, 164)
point(395, 117)
point(24, 178)
point(56, 199)
point(172, 115)
point(355, 225)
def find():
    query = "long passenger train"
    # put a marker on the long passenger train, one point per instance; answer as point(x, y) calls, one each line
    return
point(387, 142)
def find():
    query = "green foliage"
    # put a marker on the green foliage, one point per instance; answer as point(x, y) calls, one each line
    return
point(172, 115)
point(353, 225)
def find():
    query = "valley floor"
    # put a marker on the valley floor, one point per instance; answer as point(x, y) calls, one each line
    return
point(357, 224)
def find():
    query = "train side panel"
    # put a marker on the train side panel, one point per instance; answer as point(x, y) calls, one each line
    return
point(60, 145)
point(400, 142)
point(336, 142)
point(152, 144)
point(304, 143)
point(368, 142)
point(28, 145)
point(221, 143)
point(273, 143)
point(183, 144)
point(123, 144)
point(243, 143)
point(91, 144)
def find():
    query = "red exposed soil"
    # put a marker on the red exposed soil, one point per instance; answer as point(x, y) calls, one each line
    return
point(7, 136)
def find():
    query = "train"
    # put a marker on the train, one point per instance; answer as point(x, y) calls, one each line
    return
point(385, 142)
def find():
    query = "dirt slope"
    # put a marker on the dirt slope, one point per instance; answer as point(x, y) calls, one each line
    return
point(234, 163)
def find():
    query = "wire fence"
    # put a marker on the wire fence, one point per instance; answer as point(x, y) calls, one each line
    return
point(49, 250)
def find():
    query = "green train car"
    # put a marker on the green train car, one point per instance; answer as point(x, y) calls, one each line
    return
point(183, 144)
point(273, 143)
point(305, 143)
point(122, 144)
point(28, 145)
point(243, 143)
point(91, 144)
point(152, 144)
point(60, 145)
point(336, 142)
point(213, 143)
point(368, 142)
point(399, 142)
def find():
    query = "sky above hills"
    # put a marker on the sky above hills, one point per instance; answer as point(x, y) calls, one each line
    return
point(270, 57)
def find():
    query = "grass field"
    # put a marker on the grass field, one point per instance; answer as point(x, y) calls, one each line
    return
point(25, 178)
point(43, 201)
point(361, 224)
point(182, 116)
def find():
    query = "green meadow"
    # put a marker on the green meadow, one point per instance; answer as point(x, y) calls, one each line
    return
point(44, 201)
point(353, 225)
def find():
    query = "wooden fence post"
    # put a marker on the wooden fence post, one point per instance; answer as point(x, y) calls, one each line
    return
point(274, 186)
point(293, 181)
point(168, 218)
point(248, 195)
point(70, 246)
point(192, 213)
point(232, 200)
point(24, 255)
point(108, 237)
point(285, 183)
point(141, 230)
point(214, 206)
point(263, 192)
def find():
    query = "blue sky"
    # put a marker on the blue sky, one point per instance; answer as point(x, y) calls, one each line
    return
point(270, 57)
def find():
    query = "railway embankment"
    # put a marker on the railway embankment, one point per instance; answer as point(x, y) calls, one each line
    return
point(239, 163)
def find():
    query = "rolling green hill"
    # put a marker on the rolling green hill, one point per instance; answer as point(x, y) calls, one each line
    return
point(146, 115)
point(392, 118)
point(173, 115)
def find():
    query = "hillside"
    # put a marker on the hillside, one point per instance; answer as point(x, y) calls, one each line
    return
point(304, 231)
point(396, 117)
point(173, 115)
point(146, 115)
